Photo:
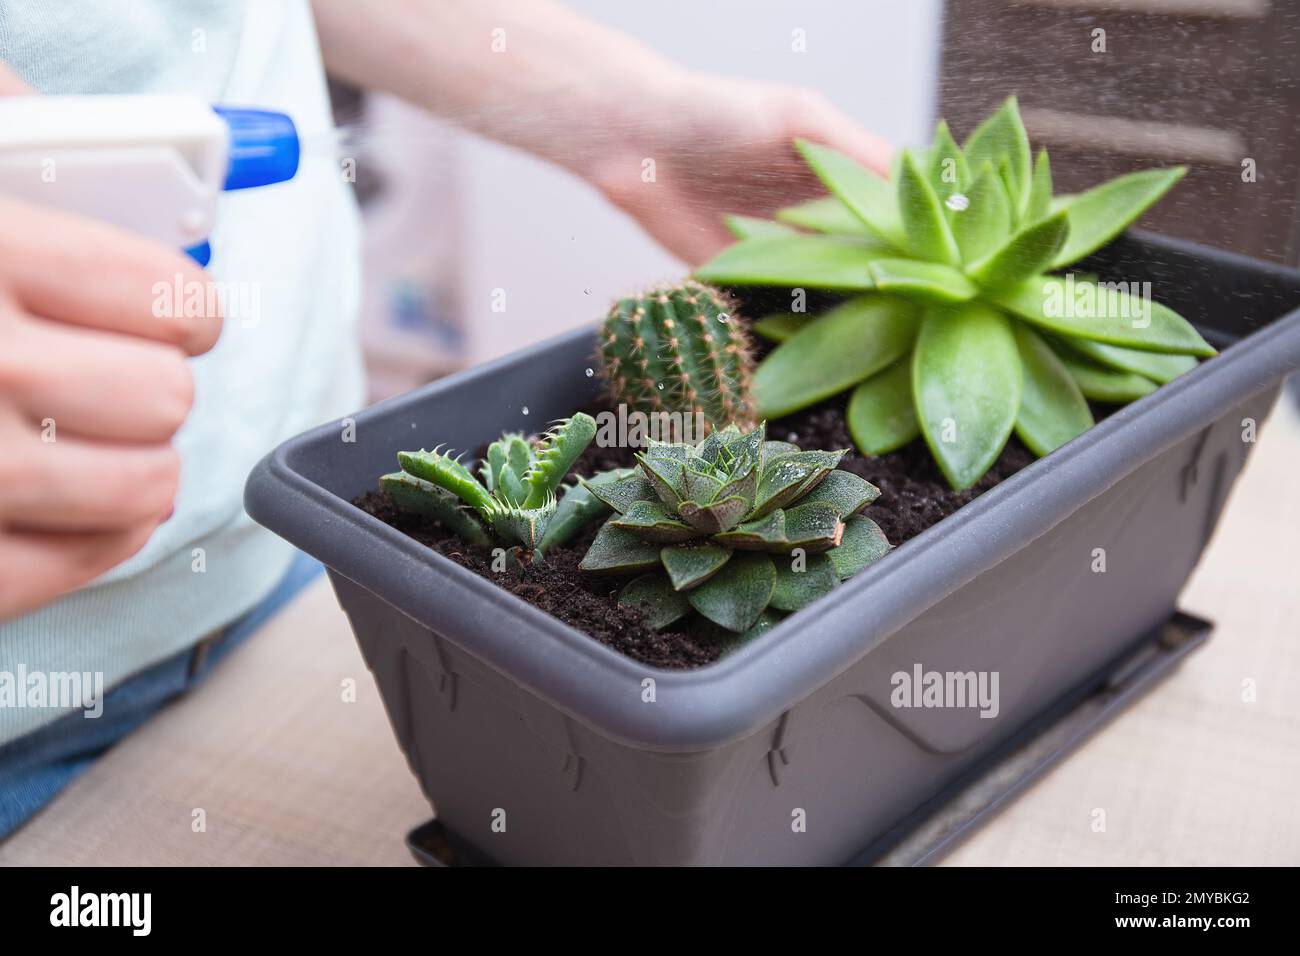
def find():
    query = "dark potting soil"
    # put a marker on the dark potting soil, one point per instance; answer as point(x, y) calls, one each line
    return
point(913, 496)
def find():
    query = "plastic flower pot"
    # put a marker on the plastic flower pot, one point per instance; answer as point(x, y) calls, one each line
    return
point(538, 745)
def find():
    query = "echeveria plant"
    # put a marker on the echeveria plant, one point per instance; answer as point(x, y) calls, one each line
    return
point(956, 330)
point(737, 528)
point(515, 503)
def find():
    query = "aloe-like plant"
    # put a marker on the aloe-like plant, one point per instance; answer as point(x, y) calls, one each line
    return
point(957, 330)
point(736, 528)
point(679, 349)
point(514, 504)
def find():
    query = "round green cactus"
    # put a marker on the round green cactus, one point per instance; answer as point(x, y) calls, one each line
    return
point(737, 528)
point(960, 328)
point(680, 349)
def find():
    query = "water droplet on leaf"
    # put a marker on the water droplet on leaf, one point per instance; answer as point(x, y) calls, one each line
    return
point(957, 202)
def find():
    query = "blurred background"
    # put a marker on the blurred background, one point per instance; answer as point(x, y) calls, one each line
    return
point(1195, 774)
point(1107, 86)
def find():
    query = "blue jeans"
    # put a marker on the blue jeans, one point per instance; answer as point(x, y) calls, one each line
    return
point(34, 768)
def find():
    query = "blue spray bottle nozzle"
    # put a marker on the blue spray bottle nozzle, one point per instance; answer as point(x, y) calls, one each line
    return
point(263, 147)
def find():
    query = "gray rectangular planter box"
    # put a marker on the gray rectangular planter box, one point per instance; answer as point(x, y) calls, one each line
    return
point(788, 751)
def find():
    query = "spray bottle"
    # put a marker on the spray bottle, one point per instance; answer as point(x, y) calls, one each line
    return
point(154, 165)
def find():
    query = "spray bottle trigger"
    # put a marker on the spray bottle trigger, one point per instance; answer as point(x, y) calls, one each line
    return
point(202, 253)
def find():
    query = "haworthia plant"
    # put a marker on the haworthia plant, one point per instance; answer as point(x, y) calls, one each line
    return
point(957, 330)
point(680, 349)
point(513, 501)
point(737, 530)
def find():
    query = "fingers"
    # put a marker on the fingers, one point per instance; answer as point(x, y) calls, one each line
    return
point(815, 119)
point(35, 568)
point(72, 507)
point(86, 273)
point(115, 496)
point(10, 85)
point(692, 233)
point(695, 243)
point(96, 384)
point(71, 483)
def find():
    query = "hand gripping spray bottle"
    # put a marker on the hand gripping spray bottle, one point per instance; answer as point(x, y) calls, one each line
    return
point(150, 164)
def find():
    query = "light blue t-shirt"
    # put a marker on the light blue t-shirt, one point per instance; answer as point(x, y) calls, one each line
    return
point(287, 361)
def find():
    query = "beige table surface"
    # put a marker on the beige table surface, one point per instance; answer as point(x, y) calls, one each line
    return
point(285, 771)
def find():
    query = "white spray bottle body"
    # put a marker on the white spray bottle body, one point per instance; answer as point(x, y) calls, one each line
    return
point(154, 165)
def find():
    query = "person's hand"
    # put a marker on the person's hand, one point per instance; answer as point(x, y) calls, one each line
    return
point(92, 387)
point(599, 104)
point(10, 85)
point(723, 146)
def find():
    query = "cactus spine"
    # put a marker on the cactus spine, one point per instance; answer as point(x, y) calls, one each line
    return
point(680, 349)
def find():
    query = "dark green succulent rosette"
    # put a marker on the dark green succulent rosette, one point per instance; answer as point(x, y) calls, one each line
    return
point(959, 326)
point(737, 529)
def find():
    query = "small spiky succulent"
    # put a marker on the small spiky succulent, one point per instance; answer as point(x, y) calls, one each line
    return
point(515, 502)
point(680, 349)
point(956, 330)
point(736, 528)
